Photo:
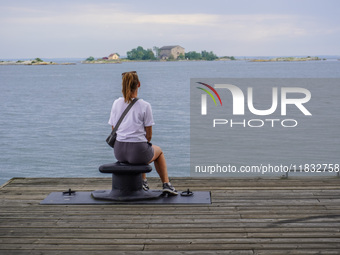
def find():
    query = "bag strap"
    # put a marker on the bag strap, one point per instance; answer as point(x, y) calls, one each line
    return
point(123, 115)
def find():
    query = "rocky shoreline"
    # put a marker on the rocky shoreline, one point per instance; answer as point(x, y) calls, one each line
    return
point(32, 62)
point(287, 59)
point(101, 62)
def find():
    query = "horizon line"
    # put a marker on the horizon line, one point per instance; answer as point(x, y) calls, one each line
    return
point(239, 56)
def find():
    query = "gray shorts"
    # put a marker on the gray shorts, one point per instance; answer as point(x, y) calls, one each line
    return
point(133, 153)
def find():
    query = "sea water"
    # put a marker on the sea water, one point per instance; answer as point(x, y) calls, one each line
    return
point(53, 119)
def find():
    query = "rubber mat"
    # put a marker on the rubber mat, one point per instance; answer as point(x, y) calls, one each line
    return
point(85, 198)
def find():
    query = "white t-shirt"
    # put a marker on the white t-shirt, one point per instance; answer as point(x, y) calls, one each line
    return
point(132, 128)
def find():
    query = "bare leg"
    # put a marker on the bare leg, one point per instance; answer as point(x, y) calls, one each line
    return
point(160, 163)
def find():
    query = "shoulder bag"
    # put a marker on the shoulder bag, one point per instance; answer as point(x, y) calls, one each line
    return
point(111, 139)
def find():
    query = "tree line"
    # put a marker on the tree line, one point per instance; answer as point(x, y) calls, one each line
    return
point(140, 53)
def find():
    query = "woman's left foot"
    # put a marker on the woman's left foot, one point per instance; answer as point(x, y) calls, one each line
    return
point(168, 188)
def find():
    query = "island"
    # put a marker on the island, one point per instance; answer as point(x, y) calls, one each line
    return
point(36, 61)
point(285, 59)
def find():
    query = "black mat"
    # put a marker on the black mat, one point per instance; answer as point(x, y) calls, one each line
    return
point(85, 198)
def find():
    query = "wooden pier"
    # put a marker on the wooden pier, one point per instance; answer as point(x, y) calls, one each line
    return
point(247, 216)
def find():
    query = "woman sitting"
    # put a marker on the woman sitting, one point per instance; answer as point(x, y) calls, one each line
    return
point(135, 132)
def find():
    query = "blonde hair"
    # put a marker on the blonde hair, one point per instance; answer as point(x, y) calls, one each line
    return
point(129, 85)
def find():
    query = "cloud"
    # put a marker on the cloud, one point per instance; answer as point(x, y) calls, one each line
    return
point(87, 26)
point(249, 27)
point(95, 15)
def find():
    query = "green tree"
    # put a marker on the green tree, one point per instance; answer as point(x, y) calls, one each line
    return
point(208, 55)
point(149, 55)
point(90, 58)
point(136, 54)
point(140, 53)
point(228, 57)
point(181, 56)
point(193, 55)
point(156, 50)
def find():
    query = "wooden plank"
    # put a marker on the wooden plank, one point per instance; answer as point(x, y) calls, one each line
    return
point(256, 246)
point(109, 252)
point(169, 241)
point(247, 216)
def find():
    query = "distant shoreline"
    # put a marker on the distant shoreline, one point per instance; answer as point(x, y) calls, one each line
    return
point(124, 60)
point(288, 59)
point(32, 62)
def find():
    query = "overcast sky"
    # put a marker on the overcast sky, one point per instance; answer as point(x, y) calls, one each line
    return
point(82, 28)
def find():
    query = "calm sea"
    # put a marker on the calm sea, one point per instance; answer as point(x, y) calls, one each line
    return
point(53, 120)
